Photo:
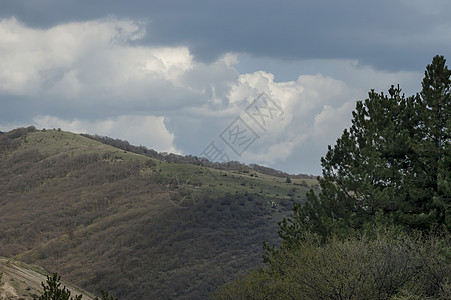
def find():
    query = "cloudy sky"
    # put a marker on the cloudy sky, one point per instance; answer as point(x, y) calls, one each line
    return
point(175, 75)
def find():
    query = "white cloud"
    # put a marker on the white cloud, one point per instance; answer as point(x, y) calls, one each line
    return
point(332, 120)
point(230, 59)
point(160, 96)
point(306, 104)
point(31, 57)
point(92, 59)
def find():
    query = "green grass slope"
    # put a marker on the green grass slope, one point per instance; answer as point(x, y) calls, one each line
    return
point(105, 218)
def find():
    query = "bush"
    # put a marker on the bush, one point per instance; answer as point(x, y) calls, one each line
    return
point(387, 266)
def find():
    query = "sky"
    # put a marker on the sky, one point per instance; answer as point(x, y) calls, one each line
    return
point(266, 82)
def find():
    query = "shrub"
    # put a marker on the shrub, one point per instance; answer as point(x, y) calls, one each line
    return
point(386, 266)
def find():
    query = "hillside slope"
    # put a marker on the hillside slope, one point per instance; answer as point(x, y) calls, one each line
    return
point(21, 281)
point(139, 227)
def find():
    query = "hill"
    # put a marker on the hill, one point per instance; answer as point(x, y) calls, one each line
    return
point(140, 227)
point(194, 160)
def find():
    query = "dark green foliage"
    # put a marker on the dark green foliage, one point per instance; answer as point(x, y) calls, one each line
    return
point(390, 169)
point(392, 166)
point(53, 290)
point(106, 296)
point(433, 148)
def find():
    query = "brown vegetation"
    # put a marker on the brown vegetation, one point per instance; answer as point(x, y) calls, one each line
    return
point(102, 218)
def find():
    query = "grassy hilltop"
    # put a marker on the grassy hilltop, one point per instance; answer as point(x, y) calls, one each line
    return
point(138, 226)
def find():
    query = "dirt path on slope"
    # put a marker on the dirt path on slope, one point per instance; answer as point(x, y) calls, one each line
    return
point(20, 282)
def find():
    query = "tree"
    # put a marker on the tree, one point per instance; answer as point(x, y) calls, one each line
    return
point(106, 296)
point(433, 142)
point(288, 179)
point(361, 172)
point(392, 166)
point(390, 169)
point(53, 291)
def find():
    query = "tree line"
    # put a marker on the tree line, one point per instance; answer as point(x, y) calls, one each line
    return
point(191, 159)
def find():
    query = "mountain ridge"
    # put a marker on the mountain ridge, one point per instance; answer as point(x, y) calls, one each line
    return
point(191, 159)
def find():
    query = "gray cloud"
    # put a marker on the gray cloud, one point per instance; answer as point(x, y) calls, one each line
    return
point(391, 35)
point(173, 75)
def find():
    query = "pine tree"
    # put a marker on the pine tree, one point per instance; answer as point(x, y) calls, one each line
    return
point(431, 185)
point(391, 166)
point(53, 290)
